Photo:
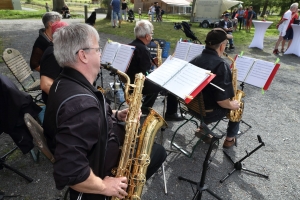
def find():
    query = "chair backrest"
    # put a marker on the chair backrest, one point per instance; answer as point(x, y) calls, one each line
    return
point(196, 107)
point(37, 133)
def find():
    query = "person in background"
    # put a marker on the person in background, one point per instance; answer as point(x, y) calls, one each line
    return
point(283, 25)
point(289, 32)
point(115, 6)
point(47, 7)
point(152, 8)
point(141, 63)
point(92, 19)
point(140, 13)
point(249, 19)
point(79, 125)
point(234, 19)
point(240, 16)
point(49, 68)
point(44, 39)
point(157, 12)
point(245, 18)
point(217, 103)
point(124, 9)
point(226, 25)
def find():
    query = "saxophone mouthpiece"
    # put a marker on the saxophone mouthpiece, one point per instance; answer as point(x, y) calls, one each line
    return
point(225, 54)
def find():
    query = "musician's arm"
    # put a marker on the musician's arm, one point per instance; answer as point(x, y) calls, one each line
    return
point(231, 105)
point(46, 83)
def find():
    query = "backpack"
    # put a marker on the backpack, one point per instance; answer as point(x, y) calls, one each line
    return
point(254, 15)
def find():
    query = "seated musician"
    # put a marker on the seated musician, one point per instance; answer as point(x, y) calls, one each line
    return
point(141, 63)
point(227, 25)
point(78, 123)
point(217, 103)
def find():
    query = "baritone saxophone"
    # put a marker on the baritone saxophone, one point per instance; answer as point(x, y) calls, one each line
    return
point(235, 115)
point(137, 147)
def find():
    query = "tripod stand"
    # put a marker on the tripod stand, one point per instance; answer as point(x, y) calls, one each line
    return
point(238, 165)
point(201, 186)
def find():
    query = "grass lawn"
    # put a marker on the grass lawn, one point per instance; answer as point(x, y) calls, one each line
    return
point(165, 30)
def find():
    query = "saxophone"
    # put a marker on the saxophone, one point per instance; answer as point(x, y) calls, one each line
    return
point(235, 115)
point(158, 54)
point(136, 150)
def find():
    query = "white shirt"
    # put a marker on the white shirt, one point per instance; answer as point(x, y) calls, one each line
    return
point(284, 25)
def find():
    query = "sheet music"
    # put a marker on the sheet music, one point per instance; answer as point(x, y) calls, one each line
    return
point(260, 73)
point(181, 50)
point(123, 57)
point(186, 80)
point(243, 65)
point(195, 50)
point(109, 52)
point(166, 71)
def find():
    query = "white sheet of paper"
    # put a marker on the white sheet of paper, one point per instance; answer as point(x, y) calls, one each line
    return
point(123, 57)
point(186, 80)
point(243, 65)
point(195, 50)
point(182, 48)
point(260, 73)
point(109, 52)
point(166, 71)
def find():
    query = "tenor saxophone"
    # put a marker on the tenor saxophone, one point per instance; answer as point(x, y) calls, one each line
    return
point(137, 147)
point(235, 115)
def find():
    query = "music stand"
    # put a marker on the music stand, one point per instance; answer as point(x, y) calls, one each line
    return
point(238, 165)
point(4, 165)
point(201, 186)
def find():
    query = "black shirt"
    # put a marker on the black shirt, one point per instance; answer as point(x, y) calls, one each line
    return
point(124, 6)
point(210, 60)
point(141, 60)
point(49, 67)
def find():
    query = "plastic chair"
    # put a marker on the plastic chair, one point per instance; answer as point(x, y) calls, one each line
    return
point(196, 110)
point(20, 69)
point(38, 136)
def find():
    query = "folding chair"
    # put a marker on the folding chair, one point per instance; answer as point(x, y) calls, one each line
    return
point(20, 69)
point(196, 110)
point(38, 136)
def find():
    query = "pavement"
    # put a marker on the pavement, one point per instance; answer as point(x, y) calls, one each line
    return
point(273, 115)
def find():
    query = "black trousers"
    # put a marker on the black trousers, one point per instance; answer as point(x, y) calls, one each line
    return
point(151, 91)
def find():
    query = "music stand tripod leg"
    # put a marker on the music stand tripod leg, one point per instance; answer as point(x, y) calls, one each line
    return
point(201, 186)
point(238, 165)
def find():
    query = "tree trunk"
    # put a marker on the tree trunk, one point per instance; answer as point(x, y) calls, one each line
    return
point(58, 4)
point(109, 11)
point(264, 8)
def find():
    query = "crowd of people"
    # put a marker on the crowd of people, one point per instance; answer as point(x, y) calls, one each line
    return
point(83, 132)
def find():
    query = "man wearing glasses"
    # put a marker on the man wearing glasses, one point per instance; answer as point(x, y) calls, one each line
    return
point(141, 63)
point(79, 125)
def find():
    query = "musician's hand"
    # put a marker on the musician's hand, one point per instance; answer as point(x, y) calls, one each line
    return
point(122, 114)
point(115, 187)
point(235, 104)
point(155, 61)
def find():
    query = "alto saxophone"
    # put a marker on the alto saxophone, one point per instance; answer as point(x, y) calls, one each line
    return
point(235, 115)
point(137, 147)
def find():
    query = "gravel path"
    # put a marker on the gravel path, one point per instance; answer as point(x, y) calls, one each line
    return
point(273, 115)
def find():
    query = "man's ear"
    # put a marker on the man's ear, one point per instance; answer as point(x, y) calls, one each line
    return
point(82, 57)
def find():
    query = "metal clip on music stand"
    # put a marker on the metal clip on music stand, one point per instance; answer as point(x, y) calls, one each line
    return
point(201, 186)
point(238, 165)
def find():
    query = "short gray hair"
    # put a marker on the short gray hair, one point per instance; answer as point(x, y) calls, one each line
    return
point(70, 39)
point(294, 5)
point(142, 28)
point(50, 17)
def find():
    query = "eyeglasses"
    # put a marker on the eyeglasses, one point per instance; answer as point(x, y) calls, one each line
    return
point(98, 50)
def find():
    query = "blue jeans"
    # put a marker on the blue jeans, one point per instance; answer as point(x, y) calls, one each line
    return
point(230, 40)
point(218, 114)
